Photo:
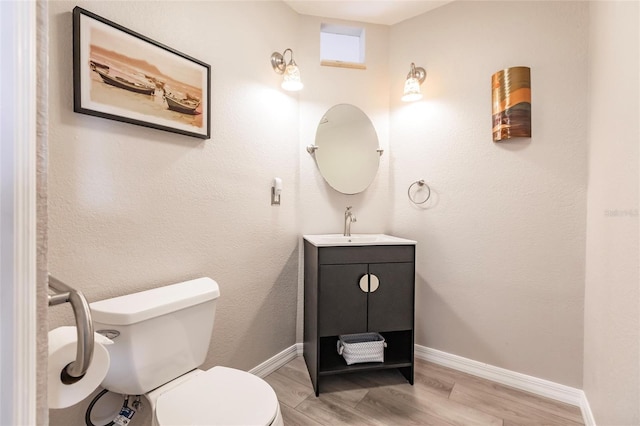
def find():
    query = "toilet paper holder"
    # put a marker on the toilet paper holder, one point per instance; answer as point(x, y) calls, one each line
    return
point(75, 370)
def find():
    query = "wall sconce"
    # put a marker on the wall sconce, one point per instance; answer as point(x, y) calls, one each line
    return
point(415, 78)
point(291, 80)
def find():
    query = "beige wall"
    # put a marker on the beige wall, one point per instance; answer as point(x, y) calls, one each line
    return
point(42, 413)
point(500, 257)
point(132, 208)
point(612, 313)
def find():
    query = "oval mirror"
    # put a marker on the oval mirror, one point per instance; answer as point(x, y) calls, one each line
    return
point(347, 149)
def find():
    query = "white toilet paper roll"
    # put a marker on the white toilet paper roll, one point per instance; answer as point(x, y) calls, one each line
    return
point(62, 351)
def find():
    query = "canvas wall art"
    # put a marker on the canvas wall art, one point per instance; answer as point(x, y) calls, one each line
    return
point(511, 96)
point(122, 75)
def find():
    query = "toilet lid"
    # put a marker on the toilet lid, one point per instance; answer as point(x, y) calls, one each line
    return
point(219, 396)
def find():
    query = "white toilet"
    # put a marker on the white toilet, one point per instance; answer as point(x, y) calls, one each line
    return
point(163, 336)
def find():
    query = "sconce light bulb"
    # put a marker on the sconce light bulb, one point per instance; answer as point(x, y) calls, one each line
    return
point(291, 81)
point(411, 90)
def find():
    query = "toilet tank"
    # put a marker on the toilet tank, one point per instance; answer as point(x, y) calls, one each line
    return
point(163, 333)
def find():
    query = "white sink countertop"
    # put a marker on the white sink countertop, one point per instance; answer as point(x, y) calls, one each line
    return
point(331, 240)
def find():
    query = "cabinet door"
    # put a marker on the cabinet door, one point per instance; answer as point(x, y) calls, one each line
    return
point(391, 305)
point(342, 305)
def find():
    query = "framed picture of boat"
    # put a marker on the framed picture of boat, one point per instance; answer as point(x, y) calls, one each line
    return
point(122, 75)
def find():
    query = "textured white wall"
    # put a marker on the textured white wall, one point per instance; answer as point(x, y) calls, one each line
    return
point(42, 414)
point(500, 257)
point(612, 298)
point(322, 208)
point(132, 208)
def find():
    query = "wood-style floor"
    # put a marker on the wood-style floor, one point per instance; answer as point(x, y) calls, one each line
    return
point(440, 396)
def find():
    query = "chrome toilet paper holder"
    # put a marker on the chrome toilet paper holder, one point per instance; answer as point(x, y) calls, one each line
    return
point(75, 370)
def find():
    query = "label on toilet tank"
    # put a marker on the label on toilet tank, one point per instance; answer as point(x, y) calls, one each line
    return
point(124, 417)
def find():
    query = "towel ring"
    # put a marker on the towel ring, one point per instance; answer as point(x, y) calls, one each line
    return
point(420, 184)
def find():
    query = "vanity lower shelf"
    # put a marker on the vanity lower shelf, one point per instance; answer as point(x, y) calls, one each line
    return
point(397, 354)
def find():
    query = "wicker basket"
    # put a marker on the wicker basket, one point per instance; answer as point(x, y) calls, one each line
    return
point(361, 347)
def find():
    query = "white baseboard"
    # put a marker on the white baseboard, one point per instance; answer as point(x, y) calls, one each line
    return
point(277, 361)
point(516, 380)
point(587, 415)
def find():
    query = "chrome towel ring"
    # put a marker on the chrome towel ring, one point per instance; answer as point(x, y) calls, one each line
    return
point(421, 183)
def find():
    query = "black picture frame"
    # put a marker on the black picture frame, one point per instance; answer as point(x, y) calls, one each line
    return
point(122, 75)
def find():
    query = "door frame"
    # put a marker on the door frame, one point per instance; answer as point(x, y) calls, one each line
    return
point(18, 332)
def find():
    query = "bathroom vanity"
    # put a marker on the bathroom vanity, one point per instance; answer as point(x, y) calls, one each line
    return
point(362, 283)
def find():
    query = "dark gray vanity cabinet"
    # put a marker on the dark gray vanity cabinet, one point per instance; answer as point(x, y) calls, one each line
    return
point(357, 289)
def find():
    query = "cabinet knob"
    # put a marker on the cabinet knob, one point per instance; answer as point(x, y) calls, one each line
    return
point(364, 283)
point(369, 283)
point(374, 283)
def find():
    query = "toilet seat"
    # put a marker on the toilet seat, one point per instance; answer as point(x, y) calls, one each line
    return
point(219, 396)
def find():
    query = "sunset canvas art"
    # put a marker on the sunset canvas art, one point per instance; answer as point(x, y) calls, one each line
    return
point(511, 103)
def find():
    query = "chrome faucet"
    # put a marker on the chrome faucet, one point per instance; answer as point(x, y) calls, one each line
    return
point(349, 218)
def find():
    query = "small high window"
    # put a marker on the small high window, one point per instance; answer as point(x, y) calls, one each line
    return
point(342, 46)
